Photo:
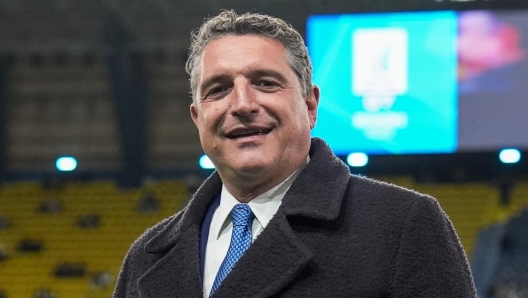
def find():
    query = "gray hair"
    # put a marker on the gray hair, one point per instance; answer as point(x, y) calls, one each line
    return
point(229, 23)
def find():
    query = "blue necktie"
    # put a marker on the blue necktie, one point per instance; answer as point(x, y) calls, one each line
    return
point(240, 241)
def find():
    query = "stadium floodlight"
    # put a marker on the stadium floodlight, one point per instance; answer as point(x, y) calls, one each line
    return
point(66, 163)
point(510, 155)
point(357, 159)
point(206, 163)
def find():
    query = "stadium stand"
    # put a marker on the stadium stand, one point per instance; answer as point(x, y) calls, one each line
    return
point(519, 196)
point(97, 250)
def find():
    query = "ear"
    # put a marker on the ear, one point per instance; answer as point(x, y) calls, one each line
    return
point(312, 102)
point(194, 114)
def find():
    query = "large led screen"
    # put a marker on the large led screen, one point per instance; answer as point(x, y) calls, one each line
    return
point(420, 82)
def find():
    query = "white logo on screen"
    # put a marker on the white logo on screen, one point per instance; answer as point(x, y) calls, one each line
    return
point(379, 66)
point(379, 75)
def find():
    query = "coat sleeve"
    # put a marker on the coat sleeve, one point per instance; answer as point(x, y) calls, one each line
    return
point(430, 261)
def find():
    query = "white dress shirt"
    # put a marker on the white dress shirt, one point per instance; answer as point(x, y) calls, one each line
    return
point(264, 208)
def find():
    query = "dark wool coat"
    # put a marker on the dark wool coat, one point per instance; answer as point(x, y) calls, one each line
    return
point(335, 235)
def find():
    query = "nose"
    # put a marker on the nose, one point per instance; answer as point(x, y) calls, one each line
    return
point(244, 99)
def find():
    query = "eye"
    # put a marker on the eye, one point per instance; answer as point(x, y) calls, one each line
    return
point(217, 91)
point(267, 84)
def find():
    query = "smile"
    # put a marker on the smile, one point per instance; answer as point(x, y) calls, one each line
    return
point(240, 133)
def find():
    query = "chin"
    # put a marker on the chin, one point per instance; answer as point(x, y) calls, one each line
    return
point(250, 166)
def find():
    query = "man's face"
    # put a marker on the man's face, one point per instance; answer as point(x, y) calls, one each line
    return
point(251, 115)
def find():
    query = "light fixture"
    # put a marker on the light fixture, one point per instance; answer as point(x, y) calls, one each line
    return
point(206, 163)
point(510, 155)
point(357, 159)
point(66, 163)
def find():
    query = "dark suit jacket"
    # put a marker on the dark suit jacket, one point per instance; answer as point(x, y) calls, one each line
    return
point(335, 235)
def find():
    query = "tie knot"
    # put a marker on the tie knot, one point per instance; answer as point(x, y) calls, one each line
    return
point(242, 215)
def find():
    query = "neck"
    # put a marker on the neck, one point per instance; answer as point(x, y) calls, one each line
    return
point(247, 187)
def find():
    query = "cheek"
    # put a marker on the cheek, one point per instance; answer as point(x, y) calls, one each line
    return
point(300, 115)
point(210, 127)
point(207, 120)
point(215, 114)
point(204, 130)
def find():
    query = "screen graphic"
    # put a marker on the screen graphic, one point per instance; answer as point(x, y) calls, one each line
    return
point(493, 80)
point(388, 81)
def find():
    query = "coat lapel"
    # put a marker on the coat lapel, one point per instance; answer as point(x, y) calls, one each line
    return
point(270, 263)
point(177, 272)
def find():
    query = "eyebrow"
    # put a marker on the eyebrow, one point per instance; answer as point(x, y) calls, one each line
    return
point(250, 73)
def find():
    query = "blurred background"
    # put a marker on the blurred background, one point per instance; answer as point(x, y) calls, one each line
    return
point(96, 141)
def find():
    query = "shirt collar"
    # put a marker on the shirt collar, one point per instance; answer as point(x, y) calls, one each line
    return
point(263, 206)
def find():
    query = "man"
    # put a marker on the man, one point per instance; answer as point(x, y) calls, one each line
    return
point(282, 216)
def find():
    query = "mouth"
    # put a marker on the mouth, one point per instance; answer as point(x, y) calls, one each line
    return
point(247, 132)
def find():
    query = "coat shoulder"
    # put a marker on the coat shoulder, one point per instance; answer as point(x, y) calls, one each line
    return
point(150, 233)
point(384, 193)
point(385, 203)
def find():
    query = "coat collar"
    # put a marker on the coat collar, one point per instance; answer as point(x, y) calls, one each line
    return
point(191, 216)
point(317, 193)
